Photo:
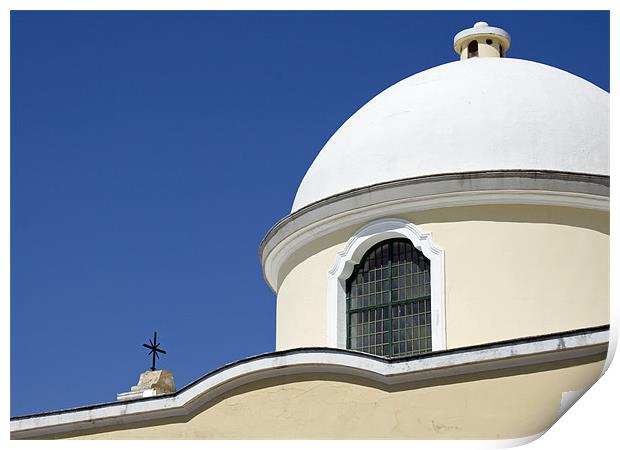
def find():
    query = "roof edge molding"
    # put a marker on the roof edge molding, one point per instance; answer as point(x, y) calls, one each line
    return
point(523, 352)
point(528, 187)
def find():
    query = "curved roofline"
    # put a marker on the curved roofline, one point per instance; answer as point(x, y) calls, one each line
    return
point(513, 353)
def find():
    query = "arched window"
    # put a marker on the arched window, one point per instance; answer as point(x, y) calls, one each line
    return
point(389, 301)
point(472, 49)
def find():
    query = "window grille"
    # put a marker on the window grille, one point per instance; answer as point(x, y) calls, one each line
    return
point(389, 301)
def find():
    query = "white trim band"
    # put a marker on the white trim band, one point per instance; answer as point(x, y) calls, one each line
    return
point(525, 352)
point(364, 205)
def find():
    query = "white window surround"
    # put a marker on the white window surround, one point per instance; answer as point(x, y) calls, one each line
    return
point(354, 250)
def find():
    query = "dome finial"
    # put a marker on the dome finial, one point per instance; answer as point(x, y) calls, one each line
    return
point(482, 40)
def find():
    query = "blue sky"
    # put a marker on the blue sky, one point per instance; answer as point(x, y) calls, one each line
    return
point(152, 151)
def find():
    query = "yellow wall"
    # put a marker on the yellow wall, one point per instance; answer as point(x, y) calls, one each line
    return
point(510, 271)
point(300, 313)
point(510, 404)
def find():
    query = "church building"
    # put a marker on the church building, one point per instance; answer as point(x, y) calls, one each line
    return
point(443, 273)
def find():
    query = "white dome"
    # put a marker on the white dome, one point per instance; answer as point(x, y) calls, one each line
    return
point(473, 115)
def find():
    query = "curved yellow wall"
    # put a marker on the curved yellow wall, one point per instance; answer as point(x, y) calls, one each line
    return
point(510, 271)
point(508, 404)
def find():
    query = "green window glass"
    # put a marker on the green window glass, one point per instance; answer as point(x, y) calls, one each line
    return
point(389, 301)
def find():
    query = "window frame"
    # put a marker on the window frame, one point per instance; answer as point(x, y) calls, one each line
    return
point(355, 248)
point(390, 301)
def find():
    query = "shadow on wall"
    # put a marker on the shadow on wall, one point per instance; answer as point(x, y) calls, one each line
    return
point(558, 215)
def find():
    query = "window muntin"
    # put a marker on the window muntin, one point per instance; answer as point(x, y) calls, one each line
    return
point(389, 301)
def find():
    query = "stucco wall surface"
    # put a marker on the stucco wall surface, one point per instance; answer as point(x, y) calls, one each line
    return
point(510, 271)
point(503, 405)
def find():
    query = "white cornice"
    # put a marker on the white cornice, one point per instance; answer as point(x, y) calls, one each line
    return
point(478, 359)
point(273, 258)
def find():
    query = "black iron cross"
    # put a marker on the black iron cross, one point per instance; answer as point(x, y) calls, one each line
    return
point(154, 349)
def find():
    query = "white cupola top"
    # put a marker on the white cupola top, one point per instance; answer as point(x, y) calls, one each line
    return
point(482, 41)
